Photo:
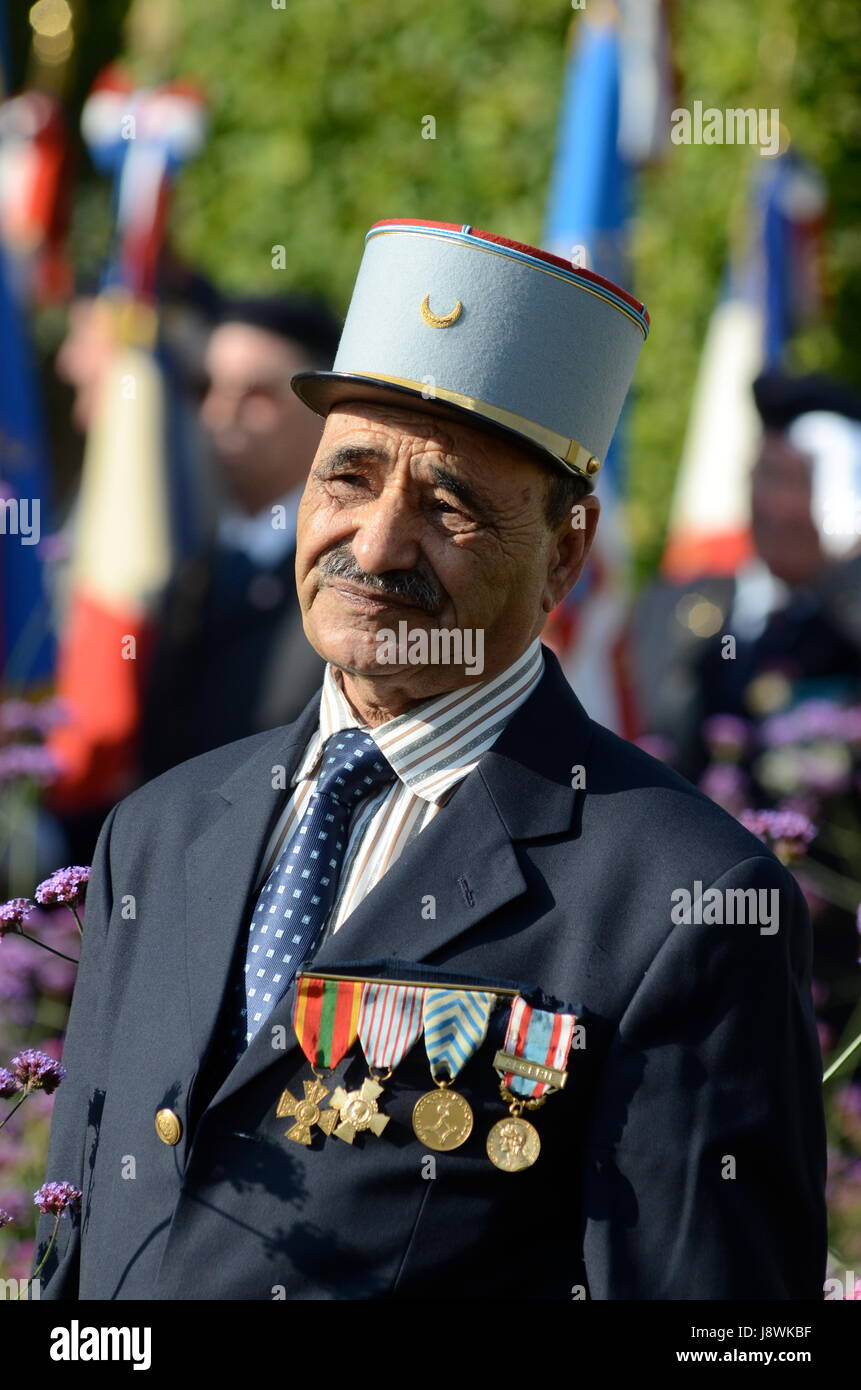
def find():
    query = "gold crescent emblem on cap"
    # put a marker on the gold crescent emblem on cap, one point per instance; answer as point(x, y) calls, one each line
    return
point(440, 320)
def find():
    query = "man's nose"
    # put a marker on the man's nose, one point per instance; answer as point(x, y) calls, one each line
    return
point(387, 537)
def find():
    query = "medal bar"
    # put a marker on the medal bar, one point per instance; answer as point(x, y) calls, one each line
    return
point(533, 1071)
point(414, 984)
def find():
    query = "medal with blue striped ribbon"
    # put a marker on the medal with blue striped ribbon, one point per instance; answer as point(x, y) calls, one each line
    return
point(530, 1067)
point(455, 1023)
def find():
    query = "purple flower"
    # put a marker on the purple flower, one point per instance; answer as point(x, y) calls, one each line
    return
point(12, 914)
point(805, 803)
point(788, 832)
point(780, 729)
point(17, 961)
point(64, 886)
point(27, 760)
point(56, 547)
point(9, 1084)
point(814, 719)
point(847, 1100)
point(31, 717)
point(821, 719)
point(852, 724)
point(56, 1198)
point(726, 735)
point(37, 1071)
point(727, 785)
point(5, 1218)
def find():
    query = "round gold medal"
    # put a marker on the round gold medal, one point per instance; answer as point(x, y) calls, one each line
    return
point(513, 1144)
point(442, 1120)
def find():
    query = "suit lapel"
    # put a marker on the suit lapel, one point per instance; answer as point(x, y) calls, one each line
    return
point(465, 859)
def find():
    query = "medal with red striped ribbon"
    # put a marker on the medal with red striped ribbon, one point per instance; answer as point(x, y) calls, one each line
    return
point(531, 1066)
point(390, 1020)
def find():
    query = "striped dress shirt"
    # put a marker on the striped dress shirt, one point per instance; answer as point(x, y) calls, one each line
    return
point(431, 749)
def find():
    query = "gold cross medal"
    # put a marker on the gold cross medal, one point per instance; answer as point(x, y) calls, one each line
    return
point(531, 1067)
point(325, 1019)
point(455, 1024)
point(306, 1112)
point(390, 1020)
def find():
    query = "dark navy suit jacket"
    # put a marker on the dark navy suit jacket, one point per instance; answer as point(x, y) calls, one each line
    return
point(684, 1159)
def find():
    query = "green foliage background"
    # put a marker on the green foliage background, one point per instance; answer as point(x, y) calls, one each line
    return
point(317, 112)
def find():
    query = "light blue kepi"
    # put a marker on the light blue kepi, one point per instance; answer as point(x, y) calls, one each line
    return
point(499, 335)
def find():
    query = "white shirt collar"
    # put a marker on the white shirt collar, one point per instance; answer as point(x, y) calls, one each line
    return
point(267, 536)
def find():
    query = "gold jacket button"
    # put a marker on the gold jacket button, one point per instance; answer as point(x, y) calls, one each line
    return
point(168, 1127)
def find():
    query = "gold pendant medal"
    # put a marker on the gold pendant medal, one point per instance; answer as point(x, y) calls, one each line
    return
point(389, 1021)
point(442, 1119)
point(513, 1143)
point(358, 1110)
point(530, 1068)
point(455, 1025)
point(306, 1112)
point(323, 1019)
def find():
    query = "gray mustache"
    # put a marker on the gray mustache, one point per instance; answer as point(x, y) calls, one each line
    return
point(413, 586)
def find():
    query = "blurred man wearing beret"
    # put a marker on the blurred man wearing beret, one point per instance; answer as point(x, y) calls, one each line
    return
point(231, 657)
point(455, 827)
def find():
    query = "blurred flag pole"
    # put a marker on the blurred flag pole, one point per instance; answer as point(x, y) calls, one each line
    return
point(614, 118)
point(124, 533)
point(772, 283)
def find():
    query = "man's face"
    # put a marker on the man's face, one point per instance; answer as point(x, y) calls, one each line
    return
point(263, 437)
point(406, 518)
point(783, 530)
point(85, 355)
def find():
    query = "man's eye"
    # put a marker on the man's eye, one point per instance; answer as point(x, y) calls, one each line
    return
point(351, 479)
point(443, 506)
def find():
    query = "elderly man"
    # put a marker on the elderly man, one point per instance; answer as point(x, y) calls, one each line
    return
point(555, 1003)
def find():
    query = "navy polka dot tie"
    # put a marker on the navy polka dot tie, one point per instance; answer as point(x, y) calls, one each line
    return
point(299, 894)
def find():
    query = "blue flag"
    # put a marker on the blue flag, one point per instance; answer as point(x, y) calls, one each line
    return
point(26, 634)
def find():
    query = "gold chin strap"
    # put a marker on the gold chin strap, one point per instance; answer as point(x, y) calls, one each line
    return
point(572, 455)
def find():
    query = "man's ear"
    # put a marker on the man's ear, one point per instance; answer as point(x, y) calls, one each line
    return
point(570, 550)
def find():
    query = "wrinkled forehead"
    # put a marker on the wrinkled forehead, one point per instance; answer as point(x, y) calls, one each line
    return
point(391, 434)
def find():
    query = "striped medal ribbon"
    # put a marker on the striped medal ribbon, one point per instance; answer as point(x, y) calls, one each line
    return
point(531, 1066)
point(455, 1024)
point(326, 1022)
point(390, 1020)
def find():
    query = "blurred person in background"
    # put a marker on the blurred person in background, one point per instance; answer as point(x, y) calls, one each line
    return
point(231, 657)
point(84, 354)
point(794, 609)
